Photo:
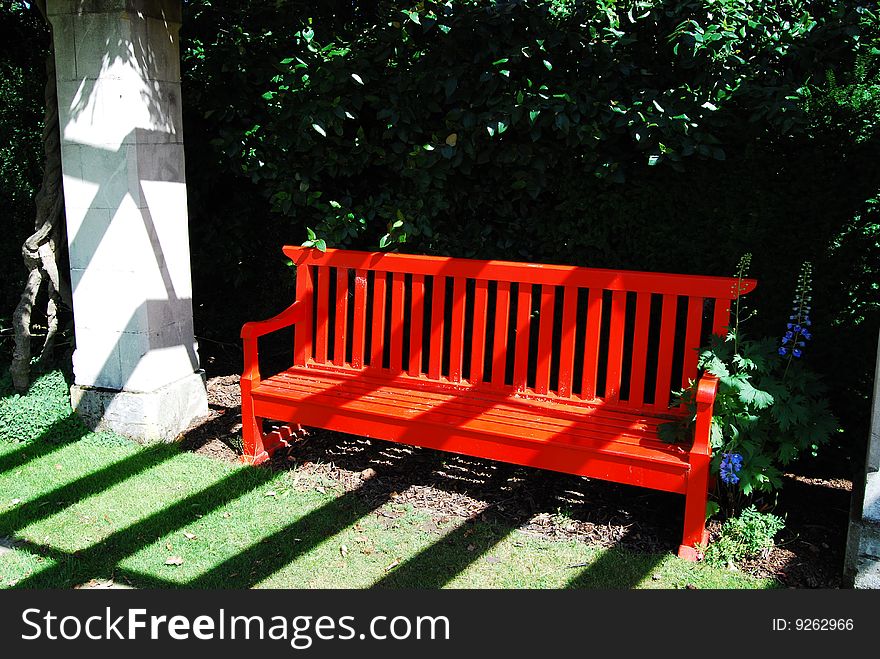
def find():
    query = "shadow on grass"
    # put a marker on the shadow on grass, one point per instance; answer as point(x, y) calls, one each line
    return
point(47, 504)
point(70, 428)
point(618, 570)
point(100, 559)
point(438, 564)
point(400, 467)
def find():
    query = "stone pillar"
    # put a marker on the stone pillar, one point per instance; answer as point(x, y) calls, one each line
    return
point(136, 367)
point(862, 568)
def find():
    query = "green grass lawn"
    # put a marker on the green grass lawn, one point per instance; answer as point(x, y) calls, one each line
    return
point(79, 507)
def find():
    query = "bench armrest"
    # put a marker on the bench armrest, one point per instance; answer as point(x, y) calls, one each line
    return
point(293, 314)
point(250, 332)
point(707, 388)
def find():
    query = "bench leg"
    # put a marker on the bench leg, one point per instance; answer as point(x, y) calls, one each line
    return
point(257, 445)
point(254, 451)
point(695, 509)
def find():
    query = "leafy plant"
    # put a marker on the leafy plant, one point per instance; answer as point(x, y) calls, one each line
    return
point(744, 536)
point(770, 408)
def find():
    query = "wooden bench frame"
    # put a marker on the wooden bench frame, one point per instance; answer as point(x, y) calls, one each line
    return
point(487, 398)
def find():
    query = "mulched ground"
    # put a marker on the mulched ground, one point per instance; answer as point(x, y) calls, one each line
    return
point(809, 552)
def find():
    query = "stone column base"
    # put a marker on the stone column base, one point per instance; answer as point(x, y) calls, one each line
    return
point(864, 539)
point(146, 417)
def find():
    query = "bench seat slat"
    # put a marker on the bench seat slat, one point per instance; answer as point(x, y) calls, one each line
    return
point(485, 392)
point(516, 416)
point(346, 411)
point(633, 428)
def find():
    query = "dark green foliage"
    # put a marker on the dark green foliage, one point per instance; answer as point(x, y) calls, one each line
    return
point(23, 42)
point(470, 121)
point(744, 536)
point(769, 409)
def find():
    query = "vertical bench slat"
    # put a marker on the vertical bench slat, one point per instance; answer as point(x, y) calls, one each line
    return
point(664, 356)
point(323, 315)
point(591, 344)
point(358, 332)
point(721, 317)
point(521, 354)
point(478, 342)
point(566, 345)
point(615, 346)
point(456, 343)
point(302, 334)
point(640, 350)
point(397, 325)
point(499, 345)
point(416, 323)
point(438, 305)
point(377, 339)
point(692, 340)
point(341, 329)
point(545, 339)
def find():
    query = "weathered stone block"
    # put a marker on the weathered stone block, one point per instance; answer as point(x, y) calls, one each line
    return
point(155, 416)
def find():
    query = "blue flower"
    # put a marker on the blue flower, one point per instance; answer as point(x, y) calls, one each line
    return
point(731, 463)
point(796, 335)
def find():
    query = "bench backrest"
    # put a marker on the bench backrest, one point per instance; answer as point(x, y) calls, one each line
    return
point(621, 336)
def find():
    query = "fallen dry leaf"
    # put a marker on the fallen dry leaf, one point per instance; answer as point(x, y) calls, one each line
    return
point(471, 547)
point(174, 560)
point(168, 546)
point(189, 536)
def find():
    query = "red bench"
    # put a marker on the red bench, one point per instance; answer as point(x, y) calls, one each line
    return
point(557, 367)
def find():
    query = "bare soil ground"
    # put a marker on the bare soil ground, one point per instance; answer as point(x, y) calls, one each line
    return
point(809, 552)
